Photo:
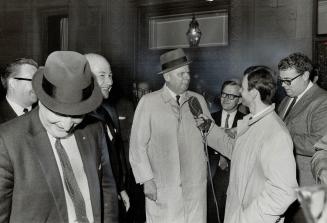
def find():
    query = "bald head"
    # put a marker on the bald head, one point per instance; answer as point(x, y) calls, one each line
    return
point(100, 67)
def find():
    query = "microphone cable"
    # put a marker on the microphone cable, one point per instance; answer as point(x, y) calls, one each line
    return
point(205, 143)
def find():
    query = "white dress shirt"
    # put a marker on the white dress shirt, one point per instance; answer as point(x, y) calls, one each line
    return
point(71, 148)
point(19, 110)
point(230, 119)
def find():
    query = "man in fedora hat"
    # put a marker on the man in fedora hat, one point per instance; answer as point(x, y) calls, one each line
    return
point(53, 168)
point(166, 149)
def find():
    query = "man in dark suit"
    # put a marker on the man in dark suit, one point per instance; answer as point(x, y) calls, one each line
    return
point(304, 111)
point(53, 167)
point(226, 117)
point(106, 113)
point(17, 80)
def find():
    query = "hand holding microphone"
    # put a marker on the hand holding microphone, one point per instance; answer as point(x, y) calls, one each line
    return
point(202, 122)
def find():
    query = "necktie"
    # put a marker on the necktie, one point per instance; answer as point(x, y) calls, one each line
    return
point(226, 121)
point(25, 110)
point(71, 184)
point(290, 107)
point(177, 99)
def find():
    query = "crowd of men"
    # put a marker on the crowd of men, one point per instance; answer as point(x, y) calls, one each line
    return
point(62, 155)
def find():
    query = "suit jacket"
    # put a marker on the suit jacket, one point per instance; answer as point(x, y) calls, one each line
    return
point(108, 115)
point(213, 155)
point(307, 123)
point(6, 111)
point(31, 189)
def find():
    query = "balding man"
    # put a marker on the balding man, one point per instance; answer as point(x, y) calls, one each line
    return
point(101, 69)
point(17, 80)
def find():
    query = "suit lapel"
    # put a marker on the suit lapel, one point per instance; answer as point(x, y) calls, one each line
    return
point(87, 149)
point(302, 103)
point(237, 117)
point(39, 143)
point(218, 117)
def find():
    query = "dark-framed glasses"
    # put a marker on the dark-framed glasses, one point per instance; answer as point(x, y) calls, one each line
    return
point(23, 79)
point(288, 81)
point(229, 96)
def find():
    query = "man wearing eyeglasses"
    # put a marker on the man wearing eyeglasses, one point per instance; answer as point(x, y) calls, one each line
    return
point(226, 117)
point(17, 80)
point(304, 111)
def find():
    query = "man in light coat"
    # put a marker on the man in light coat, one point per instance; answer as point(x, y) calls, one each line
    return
point(263, 172)
point(166, 149)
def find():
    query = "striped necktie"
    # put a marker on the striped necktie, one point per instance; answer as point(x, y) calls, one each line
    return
point(71, 184)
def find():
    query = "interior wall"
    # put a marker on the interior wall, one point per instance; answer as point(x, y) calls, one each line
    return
point(261, 32)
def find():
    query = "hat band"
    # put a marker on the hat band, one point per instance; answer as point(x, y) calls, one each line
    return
point(55, 92)
point(173, 63)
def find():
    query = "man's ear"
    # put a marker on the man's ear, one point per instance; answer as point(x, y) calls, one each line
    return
point(11, 82)
point(306, 75)
point(239, 101)
point(254, 93)
point(166, 76)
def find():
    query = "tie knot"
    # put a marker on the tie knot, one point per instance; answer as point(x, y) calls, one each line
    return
point(177, 99)
point(25, 110)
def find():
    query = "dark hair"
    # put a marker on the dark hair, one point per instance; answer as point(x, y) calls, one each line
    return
point(298, 61)
point(264, 81)
point(12, 68)
point(232, 82)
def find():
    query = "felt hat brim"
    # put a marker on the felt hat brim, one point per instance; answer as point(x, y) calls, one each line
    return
point(78, 108)
point(174, 67)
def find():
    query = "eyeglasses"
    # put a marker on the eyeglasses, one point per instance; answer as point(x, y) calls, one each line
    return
point(229, 96)
point(23, 79)
point(288, 81)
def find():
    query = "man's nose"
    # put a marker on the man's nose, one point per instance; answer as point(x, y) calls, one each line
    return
point(67, 123)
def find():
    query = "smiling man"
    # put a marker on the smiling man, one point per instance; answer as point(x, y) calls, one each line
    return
point(304, 111)
point(54, 168)
point(17, 80)
point(107, 113)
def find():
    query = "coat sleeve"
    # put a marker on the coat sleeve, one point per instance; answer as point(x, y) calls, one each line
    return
point(109, 191)
point(319, 159)
point(220, 141)
point(317, 128)
point(139, 142)
point(279, 169)
point(6, 183)
point(217, 138)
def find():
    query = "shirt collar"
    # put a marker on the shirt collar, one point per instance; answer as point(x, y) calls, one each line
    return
point(307, 88)
point(173, 94)
point(16, 107)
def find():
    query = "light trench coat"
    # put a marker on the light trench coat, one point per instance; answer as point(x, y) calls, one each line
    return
point(263, 172)
point(167, 146)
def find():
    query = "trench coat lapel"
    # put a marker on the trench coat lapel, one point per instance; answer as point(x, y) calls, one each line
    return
point(39, 143)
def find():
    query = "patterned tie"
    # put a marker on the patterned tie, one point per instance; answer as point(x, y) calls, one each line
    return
point(177, 99)
point(71, 184)
point(290, 107)
point(226, 121)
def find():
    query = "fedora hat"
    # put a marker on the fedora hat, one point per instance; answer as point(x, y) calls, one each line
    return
point(66, 84)
point(172, 60)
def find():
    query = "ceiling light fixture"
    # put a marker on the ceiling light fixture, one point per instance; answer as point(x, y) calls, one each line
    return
point(193, 33)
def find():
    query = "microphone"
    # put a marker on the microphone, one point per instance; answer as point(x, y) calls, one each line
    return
point(196, 110)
